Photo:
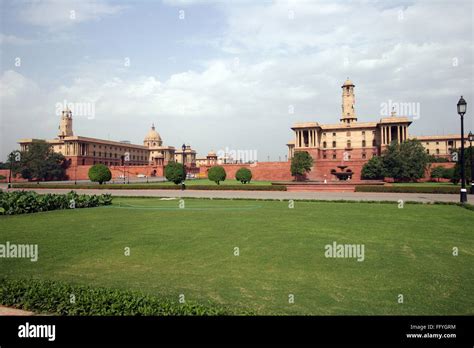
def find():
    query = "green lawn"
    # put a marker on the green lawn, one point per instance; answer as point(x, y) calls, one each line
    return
point(190, 251)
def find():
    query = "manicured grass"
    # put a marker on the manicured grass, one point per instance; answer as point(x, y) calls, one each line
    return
point(190, 251)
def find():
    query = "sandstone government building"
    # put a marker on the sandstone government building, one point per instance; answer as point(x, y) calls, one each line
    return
point(349, 142)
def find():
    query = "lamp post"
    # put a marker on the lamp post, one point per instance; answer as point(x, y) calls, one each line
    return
point(183, 147)
point(471, 139)
point(462, 106)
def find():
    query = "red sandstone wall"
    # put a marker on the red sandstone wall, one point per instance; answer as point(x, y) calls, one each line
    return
point(273, 171)
point(81, 172)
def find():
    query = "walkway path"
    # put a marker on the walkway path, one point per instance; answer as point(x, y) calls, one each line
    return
point(350, 196)
point(12, 311)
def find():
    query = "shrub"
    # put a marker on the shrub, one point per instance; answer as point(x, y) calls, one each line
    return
point(25, 202)
point(2, 177)
point(100, 173)
point(175, 172)
point(301, 163)
point(53, 297)
point(373, 169)
point(244, 175)
point(154, 187)
point(407, 189)
point(437, 172)
point(216, 174)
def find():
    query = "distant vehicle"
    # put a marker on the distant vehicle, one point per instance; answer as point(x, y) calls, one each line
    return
point(141, 176)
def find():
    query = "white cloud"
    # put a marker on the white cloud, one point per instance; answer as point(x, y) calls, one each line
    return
point(13, 40)
point(57, 14)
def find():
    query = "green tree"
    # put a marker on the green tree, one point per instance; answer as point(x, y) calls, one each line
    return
point(301, 163)
point(216, 174)
point(437, 173)
point(406, 161)
point(175, 172)
point(467, 166)
point(373, 169)
point(40, 163)
point(99, 173)
point(244, 175)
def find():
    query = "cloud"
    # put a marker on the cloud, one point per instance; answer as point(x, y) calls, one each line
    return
point(57, 14)
point(13, 40)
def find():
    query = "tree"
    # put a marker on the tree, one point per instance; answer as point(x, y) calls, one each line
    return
point(437, 172)
point(39, 162)
point(406, 161)
point(216, 174)
point(175, 172)
point(100, 173)
point(244, 175)
point(467, 166)
point(301, 163)
point(373, 169)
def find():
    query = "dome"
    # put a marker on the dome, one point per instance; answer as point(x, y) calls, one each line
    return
point(153, 135)
point(211, 154)
point(348, 83)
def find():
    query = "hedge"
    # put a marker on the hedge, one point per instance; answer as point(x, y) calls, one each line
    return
point(53, 297)
point(407, 189)
point(155, 187)
point(25, 202)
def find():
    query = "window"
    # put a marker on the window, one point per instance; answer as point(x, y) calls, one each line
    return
point(348, 143)
point(348, 133)
point(324, 156)
point(333, 134)
point(333, 156)
point(427, 151)
point(374, 143)
point(363, 132)
point(363, 143)
point(364, 156)
point(324, 144)
point(324, 134)
point(437, 143)
point(333, 144)
point(437, 151)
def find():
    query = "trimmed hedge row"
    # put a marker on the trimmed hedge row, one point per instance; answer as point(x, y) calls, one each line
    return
point(25, 202)
point(407, 189)
point(155, 187)
point(53, 297)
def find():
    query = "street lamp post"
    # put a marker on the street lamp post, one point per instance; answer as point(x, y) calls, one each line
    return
point(462, 106)
point(471, 139)
point(183, 147)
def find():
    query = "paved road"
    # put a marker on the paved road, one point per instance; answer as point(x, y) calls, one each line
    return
point(350, 196)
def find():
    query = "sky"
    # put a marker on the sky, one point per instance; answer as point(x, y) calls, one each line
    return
point(230, 75)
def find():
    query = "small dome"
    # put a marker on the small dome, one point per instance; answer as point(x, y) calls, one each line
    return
point(348, 83)
point(153, 135)
point(211, 154)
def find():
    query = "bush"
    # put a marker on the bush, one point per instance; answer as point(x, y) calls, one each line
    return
point(373, 169)
point(301, 163)
point(175, 172)
point(244, 175)
point(100, 173)
point(216, 174)
point(437, 173)
point(407, 189)
point(25, 202)
point(154, 187)
point(2, 177)
point(53, 297)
